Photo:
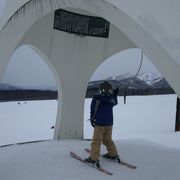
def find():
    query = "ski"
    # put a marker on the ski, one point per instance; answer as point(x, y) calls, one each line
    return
point(74, 155)
point(119, 162)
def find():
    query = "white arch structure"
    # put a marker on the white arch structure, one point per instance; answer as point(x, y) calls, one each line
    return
point(143, 24)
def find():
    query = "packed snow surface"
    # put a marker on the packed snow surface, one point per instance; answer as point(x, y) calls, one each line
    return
point(143, 132)
point(50, 160)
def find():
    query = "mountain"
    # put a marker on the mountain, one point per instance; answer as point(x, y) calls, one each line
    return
point(123, 76)
point(149, 78)
point(153, 80)
point(143, 84)
point(142, 81)
point(132, 83)
point(161, 83)
point(6, 87)
point(110, 78)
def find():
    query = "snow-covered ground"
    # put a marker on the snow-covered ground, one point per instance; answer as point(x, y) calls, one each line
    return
point(143, 132)
point(149, 117)
point(140, 117)
point(27, 121)
point(51, 161)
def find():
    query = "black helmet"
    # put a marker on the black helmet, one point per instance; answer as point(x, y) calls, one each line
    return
point(106, 88)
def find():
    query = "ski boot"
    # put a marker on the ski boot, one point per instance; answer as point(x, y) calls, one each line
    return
point(107, 156)
point(94, 163)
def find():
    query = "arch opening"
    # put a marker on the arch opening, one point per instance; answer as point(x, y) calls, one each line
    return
point(142, 113)
point(30, 86)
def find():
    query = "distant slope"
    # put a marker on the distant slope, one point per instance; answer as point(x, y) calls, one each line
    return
point(7, 87)
point(143, 84)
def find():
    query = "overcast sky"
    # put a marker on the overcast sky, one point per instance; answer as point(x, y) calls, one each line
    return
point(2, 4)
point(25, 64)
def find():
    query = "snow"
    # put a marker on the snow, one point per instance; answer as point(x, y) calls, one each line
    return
point(148, 77)
point(51, 161)
point(27, 121)
point(140, 117)
point(143, 132)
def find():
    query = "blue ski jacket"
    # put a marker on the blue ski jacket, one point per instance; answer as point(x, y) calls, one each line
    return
point(102, 109)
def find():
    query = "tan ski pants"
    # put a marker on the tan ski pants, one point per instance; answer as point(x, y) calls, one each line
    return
point(102, 134)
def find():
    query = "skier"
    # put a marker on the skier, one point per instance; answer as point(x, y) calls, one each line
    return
point(101, 118)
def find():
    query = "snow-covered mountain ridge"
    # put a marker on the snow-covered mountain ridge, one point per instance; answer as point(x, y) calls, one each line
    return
point(148, 78)
point(6, 87)
point(142, 84)
point(143, 80)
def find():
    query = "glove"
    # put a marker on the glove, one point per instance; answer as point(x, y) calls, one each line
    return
point(116, 92)
point(92, 122)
